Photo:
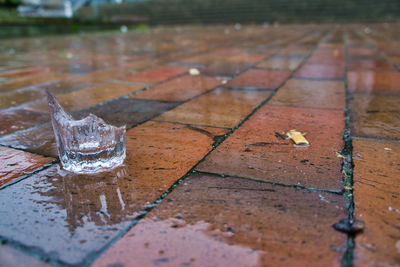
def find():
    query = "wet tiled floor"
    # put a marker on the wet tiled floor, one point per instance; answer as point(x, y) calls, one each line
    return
point(210, 178)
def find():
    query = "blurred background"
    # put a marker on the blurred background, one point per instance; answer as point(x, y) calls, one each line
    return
point(33, 17)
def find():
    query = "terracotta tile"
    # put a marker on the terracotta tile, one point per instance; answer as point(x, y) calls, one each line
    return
point(220, 108)
point(321, 71)
point(257, 150)
point(156, 75)
point(180, 89)
point(246, 58)
point(281, 63)
point(225, 68)
point(18, 119)
point(375, 116)
point(311, 94)
point(376, 188)
point(213, 221)
point(371, 65)
point(258, 78)
point(30, 80)
point(12, 257)
point(15, 164)
point(369, 81)
point(86, 211)
point(85, 98)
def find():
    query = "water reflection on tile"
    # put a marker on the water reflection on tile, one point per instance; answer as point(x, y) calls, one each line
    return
point(179, 89)
point(375, 116)
point(214, 221)
point(281, 62)
point(91, 96)
point(70, 216)
point(18, 119)
point(129, 112)
point(311, 94)
point(16, 163)
point(12, 257)
point(219, 108)
point(374, 82)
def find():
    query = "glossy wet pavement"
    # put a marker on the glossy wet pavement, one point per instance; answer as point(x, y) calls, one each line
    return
point(209, 178)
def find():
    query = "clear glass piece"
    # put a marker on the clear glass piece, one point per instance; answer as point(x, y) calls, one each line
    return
point(88, 145)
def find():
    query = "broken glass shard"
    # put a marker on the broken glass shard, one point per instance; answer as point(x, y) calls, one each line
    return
point(88, 145)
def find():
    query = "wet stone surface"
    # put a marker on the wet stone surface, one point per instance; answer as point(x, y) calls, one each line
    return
point(259, 150)
point(15, 164)
point(260, 79)
point(13, 257)
point(179, 89)
point(280, 201)
point(129, 112)
point(18, 119)
point(219, 108)
point(376, 196)
point(214, 221)
point(375, 116)
point(311, 94)
point(87, 211)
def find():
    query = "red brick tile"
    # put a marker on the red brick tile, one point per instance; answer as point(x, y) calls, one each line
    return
point(214, 221)
point(219, 108)
point(321, 71)
point(295, 51)
point(18, 119)
point(30, 80)
point(375, 116)
point(87, 212)
point(24, 71)
point(281, 63)
point(246, 58)
point(328, 56)
point(180, 89)
point(256, 150)
point(361, 51)
point(129, 112)
point(15, 164)
point(311, 94)
point(15, 98)
point(38, 139)
point(324, 59)
point(258, 78)
point(369, 81)
point(332, 45)
point(371, 65)
point(156, 75)
point(225, 68)
point(85, 98)
point(376, 189)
